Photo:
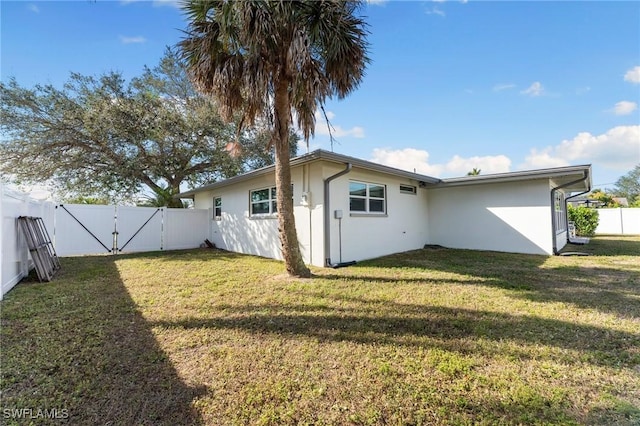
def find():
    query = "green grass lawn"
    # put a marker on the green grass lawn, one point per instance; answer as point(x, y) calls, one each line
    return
point(431, 336)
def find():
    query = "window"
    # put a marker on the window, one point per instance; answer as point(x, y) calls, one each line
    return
point(408, 189)
point(217, 208)
point(367, 197)
point(263, 201)
point(560, 212)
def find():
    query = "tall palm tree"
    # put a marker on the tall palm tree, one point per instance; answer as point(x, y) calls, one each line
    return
point(270, 59)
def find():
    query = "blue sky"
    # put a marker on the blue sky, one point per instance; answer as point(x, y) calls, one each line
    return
point(500, 86)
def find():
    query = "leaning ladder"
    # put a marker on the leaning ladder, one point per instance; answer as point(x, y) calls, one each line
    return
point(40, 246)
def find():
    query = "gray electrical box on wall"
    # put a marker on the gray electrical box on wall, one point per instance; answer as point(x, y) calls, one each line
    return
point(337, 214)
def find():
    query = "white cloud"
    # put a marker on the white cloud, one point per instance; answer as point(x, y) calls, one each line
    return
point(34, 8)
point(435, 11)
point(501, 87)
point(336, 131)
point(417, 159)
point(376, 2)
point(617, 149)
point(130, 40)
point(460, 166)
point(625, 107)
point(633, 75)
point(410, 159)
point(534, 90)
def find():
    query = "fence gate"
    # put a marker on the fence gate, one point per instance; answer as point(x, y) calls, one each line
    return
point(93, 229)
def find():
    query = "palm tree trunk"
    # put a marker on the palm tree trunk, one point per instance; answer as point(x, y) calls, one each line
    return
point(284, 196)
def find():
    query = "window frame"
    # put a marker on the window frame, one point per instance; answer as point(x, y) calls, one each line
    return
point(272, 200)
point(217, 210)
point(412, 191)
point(368, 198)
point(560, 211)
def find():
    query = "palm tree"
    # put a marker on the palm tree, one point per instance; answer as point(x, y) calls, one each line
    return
point(474, 172)
point(267, 60)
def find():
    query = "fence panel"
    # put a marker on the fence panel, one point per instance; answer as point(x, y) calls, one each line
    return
point(619, 221)
point(139, 229)
point(630, 221)
point(71, 237)
point(185, 228)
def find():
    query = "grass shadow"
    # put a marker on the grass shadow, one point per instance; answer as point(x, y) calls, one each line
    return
point(389, 323)
point(604, 284)
point(80, 343)
point(607, 245)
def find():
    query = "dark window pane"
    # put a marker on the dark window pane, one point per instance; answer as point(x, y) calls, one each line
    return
point(376, 206)
point(218, 212)
point(357, 204)
point(260, 195)
point(274, 207)
point(376, 191)
point(273, 193)
point(260, 208)
point(408, 189)
point(359, 189)
point(217, 202)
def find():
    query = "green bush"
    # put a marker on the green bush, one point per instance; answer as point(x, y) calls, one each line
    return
point(585, 219)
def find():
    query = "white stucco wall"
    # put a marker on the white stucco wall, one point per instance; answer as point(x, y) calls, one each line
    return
point(508, 217)
point(403, 227)
point(239, 232)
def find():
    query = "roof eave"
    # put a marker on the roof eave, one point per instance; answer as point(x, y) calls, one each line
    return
point(518, 176)
point(309, 158)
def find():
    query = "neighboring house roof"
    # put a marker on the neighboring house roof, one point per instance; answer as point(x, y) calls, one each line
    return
point(622, 201)
point(560, 175)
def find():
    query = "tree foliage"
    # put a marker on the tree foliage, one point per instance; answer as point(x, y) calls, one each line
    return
point(106, 138)
point(629, 186)
point(271, 61)
point(605, 199)
point(585, 219)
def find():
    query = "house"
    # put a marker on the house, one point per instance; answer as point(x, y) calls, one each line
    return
point(347, 209)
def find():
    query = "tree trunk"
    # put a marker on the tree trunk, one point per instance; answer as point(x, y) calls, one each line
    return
point(284, 196)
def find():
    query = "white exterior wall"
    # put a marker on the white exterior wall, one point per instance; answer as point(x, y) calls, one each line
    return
point(363, 237)
point(239, 232)
point(508, 217)
point(403, 227)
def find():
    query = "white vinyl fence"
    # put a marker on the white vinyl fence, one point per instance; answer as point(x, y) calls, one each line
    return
point(89, 229)
point(79, 229)
point(620, 221)
point(15, 261)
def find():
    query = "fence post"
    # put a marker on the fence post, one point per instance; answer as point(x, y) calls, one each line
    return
point(163, 229)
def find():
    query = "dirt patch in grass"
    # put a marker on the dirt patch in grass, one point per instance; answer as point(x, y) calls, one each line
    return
point(425, 337)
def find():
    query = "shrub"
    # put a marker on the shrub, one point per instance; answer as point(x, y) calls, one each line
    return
point(585, 219)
